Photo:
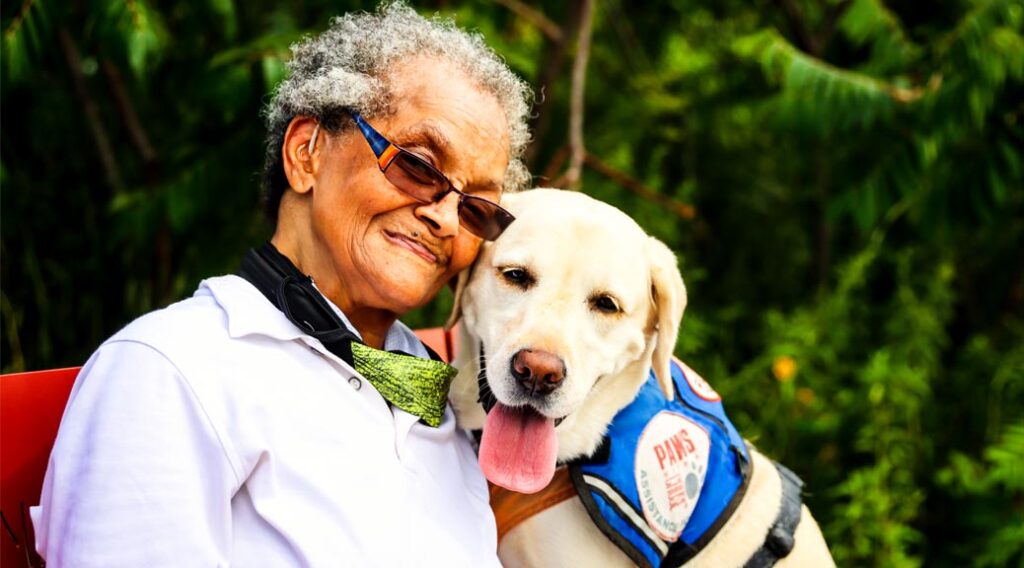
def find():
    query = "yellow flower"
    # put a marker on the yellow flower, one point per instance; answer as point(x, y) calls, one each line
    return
point(805, 395)
point(784, 368)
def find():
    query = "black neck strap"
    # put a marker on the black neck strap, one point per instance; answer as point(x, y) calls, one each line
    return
point(292, 292)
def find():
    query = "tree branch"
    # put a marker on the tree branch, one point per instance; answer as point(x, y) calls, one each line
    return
point(19, 19)
point(17, 359)
point(554, 58)
point(577, 152)
point(797, 23)
point(130, 118)
point(911, 94)
point(636, 56)
point(813, 43)
point(682, 210)
point(160, 277)
point(823, 251)
point(92, 112)
point(555, 164)
point(535, 17)
point(828, 27)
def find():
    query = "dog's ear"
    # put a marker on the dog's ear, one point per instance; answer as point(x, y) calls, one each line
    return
point(460, 287)
point(460, 283)
point(669, 296)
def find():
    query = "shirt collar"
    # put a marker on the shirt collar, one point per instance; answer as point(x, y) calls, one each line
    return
point(248, 312)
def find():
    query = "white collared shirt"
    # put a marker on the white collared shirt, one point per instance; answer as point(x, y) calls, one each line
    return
point(215, 433)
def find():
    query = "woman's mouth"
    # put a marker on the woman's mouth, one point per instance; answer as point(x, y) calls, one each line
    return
point(414, 246)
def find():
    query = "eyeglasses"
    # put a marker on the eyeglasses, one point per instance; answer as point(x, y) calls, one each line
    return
point(415, 177)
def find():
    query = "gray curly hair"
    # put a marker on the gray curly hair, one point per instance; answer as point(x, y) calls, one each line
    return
point(346, 67)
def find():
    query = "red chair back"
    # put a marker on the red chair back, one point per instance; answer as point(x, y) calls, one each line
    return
point(31, 406)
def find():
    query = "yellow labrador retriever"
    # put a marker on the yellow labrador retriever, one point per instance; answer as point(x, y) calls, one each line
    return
point(562, 320)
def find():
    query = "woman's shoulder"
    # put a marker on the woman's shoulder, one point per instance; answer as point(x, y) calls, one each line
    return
point(196, 319)
point(227, 319)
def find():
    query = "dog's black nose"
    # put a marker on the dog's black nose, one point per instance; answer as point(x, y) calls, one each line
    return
point(538, 372)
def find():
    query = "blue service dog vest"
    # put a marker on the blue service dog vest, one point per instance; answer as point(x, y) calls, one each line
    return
point(668, 474)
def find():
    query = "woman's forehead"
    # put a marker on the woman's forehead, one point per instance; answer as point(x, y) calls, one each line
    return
point(441, 89)
point(436, 105)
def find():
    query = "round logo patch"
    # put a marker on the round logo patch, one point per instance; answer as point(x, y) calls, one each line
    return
point(698, 385)
point(671, 462)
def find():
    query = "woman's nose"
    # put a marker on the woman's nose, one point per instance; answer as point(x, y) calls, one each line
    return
point(441, 216)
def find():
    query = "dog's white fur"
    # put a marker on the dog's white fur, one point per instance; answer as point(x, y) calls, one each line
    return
point(578, 250)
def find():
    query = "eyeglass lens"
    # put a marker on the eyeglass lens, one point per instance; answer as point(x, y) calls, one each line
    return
point(424, 183)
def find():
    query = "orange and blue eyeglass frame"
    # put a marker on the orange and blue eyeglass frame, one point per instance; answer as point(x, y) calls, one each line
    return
point(423, 182)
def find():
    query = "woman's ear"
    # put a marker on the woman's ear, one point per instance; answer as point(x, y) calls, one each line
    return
point(669, 296)
point(300, 152)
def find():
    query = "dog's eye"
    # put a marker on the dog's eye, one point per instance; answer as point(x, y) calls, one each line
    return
point(518, 276)
point(605, 304)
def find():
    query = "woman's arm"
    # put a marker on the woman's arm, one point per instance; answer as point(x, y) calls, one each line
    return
point(137, 476)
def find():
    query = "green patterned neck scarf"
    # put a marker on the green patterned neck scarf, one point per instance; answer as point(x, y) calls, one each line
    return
point(417, 386)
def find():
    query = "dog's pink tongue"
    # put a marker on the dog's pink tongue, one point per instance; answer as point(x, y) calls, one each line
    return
point(518, 449)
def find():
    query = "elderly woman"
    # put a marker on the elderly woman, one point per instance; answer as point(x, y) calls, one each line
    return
point(284, 416)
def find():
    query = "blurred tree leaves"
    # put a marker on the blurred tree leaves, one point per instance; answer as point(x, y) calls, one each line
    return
point(843, 181)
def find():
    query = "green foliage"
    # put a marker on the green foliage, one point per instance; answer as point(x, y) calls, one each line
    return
point(871, 23)
point(138, 28)
point(854, 265)
point(999, 476)
point(24, 38)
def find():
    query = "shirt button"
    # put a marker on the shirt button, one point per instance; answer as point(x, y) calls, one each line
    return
point(355, 382)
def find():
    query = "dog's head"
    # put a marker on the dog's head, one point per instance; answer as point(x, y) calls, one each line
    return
point(566, 313)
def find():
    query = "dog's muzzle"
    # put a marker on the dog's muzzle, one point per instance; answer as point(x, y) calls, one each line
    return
point(538, 373)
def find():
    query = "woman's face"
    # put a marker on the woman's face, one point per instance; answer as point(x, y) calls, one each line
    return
point(376, 247)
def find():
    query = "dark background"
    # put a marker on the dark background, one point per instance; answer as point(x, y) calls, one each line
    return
point(842, 180)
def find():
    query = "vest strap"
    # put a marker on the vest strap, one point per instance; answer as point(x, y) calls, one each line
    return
point(511, 508)
point(779, 542)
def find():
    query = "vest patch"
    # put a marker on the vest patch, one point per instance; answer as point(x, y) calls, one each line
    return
point(697, 383)
point(671, 463)
point(668, 474)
